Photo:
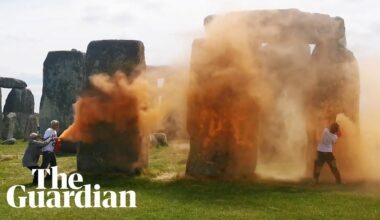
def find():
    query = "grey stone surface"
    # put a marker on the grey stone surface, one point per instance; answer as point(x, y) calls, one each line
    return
point(19, 125)
point(6, 82)
point(9, 125)
point(19, 100)
point(63, 80)
point(32, 125)
point(108, 56)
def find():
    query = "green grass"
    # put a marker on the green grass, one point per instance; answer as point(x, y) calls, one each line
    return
point(164, 193)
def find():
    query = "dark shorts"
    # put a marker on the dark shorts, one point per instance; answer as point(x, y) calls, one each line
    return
point(325, 157)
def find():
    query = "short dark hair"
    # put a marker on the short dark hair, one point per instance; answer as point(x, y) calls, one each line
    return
point(334, 128)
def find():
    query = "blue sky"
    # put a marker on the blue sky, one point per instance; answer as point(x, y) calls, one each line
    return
point(29, 29)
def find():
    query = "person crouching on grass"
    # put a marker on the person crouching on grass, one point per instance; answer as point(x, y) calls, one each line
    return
point(325, 152)
point(48, 155)
point(32, 153)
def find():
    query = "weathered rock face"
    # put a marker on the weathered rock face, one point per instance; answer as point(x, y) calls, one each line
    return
point(11, 83)
point(108, 56)
point(222, 140)
point(113, 150)
point(32, 125)
point(19, 105)
point(9, 125)
point(63, 80)
point(19, 125)
point(19, 100)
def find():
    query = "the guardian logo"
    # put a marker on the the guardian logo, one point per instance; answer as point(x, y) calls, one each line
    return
point(84, 196)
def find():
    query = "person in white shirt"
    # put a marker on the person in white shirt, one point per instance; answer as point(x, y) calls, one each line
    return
point(48, 155)
point(325, 152)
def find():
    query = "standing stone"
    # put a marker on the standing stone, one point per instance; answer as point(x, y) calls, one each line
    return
point(222, 145)
point(109, 56)
point(114, 150)
point(19, 100)
point(15, 125)
point(32, 125)
point(11, 83)
point(18, 106)
point(9, 125)
point(322, 84)
point(63, 80)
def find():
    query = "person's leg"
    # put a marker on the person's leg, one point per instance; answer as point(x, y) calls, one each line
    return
point(35, 176)
point(318, 164)
point(45, 161)
point(334, 170)
point(53, 161)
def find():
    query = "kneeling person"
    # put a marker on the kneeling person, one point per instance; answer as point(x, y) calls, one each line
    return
point(32, 153)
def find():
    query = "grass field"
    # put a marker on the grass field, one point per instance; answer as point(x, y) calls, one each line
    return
point(164, 193)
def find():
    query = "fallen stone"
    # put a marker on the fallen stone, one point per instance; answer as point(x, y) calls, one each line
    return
point(158, 140)
point(10, 141)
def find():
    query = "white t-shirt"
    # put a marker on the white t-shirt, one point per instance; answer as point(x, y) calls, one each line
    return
point(49, 133)
point(328, 139)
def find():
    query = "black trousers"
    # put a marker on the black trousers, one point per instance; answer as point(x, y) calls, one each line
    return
point(326, 157)
point(35, 177)
point(48, 158)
